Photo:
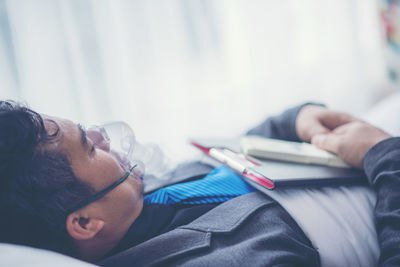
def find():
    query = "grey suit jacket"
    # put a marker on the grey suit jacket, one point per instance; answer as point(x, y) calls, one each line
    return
point(251, 230)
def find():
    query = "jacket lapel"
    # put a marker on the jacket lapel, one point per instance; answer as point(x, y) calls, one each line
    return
point(230, 215)
point(194, 236)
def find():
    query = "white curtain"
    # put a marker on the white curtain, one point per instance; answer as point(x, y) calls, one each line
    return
point(176, 69)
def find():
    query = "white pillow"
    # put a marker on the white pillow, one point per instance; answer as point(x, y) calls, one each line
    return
point(22, 256)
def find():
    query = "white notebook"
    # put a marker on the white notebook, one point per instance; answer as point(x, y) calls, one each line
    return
point(268, 148)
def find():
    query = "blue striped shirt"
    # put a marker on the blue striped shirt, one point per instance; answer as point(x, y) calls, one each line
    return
point(220, 185)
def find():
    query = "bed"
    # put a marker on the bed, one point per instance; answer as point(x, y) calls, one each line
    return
point(338, 219)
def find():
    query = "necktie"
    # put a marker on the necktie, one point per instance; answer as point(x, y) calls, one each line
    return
point(220, 185)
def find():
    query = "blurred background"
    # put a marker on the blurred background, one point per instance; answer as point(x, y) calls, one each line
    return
point(175, 69)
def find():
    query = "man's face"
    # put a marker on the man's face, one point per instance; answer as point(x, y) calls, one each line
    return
point(98, 168)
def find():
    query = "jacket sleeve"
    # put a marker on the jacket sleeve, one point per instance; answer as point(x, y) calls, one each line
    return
point(282, 126)
point(382, 166)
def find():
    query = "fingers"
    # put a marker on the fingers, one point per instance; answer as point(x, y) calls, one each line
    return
point(313, 120)
point(317, 129)
point(328, 142)
point(332, 119)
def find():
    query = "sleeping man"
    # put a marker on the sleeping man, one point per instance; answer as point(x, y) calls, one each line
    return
point(63, 189)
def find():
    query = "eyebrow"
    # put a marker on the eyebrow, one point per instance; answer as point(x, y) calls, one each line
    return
point(82, 133)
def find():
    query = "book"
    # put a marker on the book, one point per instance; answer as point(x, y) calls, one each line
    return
point(275, 149)
point(268, 174)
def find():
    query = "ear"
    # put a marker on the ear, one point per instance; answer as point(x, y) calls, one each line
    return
point(81, 228)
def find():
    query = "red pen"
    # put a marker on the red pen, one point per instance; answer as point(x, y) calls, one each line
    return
point(238, 162)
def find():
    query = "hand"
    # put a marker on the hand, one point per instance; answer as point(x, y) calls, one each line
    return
point(313, 120)
point(351, 141)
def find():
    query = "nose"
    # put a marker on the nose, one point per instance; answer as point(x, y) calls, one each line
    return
point(99, 139)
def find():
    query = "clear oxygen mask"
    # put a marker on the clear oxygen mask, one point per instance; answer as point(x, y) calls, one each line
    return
point(119, 140)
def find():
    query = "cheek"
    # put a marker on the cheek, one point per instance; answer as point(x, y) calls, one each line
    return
point(105, 170)
point(131, 194)
point(123, 204)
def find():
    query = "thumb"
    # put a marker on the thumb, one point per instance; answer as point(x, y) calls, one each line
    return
point(328, 142)
point(334, 119)
point(317, 129)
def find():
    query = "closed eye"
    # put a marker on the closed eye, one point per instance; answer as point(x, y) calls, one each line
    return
point(87, 143)
point(92, 148)
point(83, 136)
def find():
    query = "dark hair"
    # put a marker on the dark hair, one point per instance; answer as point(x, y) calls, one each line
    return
point(37, 185)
